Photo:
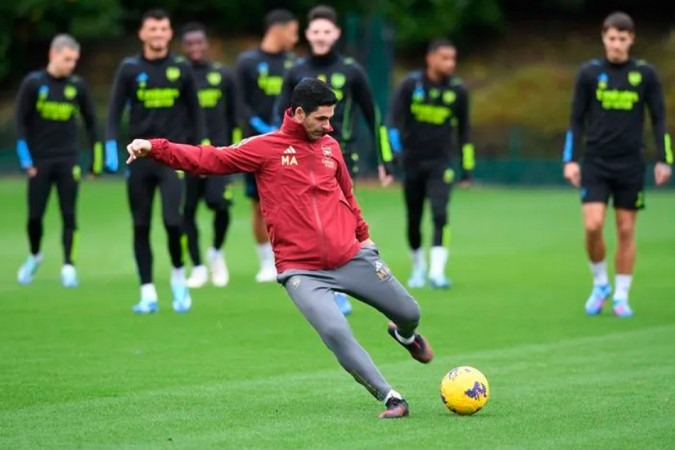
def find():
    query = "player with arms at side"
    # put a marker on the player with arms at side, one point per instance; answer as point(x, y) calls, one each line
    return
point(216, 92)
point(320, 239)
point(429, 107)
point(47, 146)
point(260, 74)
point(610, 99)
point(350, 84)
point(160, 91)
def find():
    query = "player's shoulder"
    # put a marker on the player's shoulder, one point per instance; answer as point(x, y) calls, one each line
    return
point(34, 77)
point(643, 66)
point(248, 56)
point(413, 77)
point(351, 63)
point(180, 61)
point(132, 61)
point(77, 80)
point(592, 65)
point(455, 81)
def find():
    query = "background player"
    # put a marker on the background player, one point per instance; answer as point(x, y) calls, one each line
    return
point(260, 75)
point(611, 95)
point(427, 108)
point(321, 242)
point(349, 82)
point(216, 92)
point(160, 91)
point(47, 146)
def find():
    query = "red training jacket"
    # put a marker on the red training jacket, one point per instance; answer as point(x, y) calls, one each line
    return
point(306, 197)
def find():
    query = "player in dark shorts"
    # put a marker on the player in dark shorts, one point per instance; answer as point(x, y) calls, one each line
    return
point(260, 74)
point(611, 96)
point(159, 90)
point(217, 97)
point(429, 124)
point(47, 106)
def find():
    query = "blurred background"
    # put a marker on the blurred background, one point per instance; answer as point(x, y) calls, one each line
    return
point(518, 57)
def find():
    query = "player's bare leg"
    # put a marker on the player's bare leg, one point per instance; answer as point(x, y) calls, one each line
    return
point(267, 272)
point(594, 221)
point(625, 260)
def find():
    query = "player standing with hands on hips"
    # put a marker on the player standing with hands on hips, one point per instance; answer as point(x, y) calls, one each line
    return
point(611, 96)
point(320, 240)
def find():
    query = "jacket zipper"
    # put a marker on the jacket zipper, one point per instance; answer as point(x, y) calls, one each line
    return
point(316, 208)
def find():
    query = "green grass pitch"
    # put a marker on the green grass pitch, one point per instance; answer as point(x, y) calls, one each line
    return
point(244, 370)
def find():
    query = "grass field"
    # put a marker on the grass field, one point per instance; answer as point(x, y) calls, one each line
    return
point(244, 370)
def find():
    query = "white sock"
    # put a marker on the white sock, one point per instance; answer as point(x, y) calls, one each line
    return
point(439, 257)
point(392, 394)
point(403, 340)
point(148, 292)
point(178, 275)
point(214, 252)
point(623, 283)
point(199, 268)
point(418, 259)
point(265, 253)
point(599, 271)
point(37, 257)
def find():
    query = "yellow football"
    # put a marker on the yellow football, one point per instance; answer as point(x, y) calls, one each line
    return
point(465, 390)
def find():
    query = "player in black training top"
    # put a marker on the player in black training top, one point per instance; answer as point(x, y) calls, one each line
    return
point(160, 92)
point(611, 97)
point(350, 84)
point(260, 74)
point(47, 145)
point(429, 122)
point(217, 97)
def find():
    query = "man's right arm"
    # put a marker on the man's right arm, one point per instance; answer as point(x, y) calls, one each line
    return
point(399, 105)
point(245, 83)
point(208, 160)
point(118, 101)
point(25, 102)
point(580, 104)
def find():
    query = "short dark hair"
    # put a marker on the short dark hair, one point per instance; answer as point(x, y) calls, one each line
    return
point(619, 20)
point(310, 94)
point(439, 43)
point(156, 13)
point(323, 12)
point(192, 27)
point(278, 16)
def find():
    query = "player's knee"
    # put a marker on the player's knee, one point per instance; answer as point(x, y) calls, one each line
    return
point(625, 232)
point(69, 221)
point(440, 218)
point(593, 224)
point(173, 229)
point(335, 335)
point(408, 313)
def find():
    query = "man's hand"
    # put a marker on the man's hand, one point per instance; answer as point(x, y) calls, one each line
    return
point(572, 173)
point(662, 173)
point(31, 172)
point(385, 179)
point(368, 243)
point(139, 148)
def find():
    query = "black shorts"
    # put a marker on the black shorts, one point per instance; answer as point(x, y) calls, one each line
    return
point(214, 190)
point(251, 187)
point(624, 182)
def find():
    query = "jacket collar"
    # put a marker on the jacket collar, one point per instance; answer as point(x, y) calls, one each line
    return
point(293, 128)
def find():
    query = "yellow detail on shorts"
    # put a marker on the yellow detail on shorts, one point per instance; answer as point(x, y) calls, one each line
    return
point(77, 173)
point(237, 135)
point(640, 202)
point(449, 176)
point(227, 193)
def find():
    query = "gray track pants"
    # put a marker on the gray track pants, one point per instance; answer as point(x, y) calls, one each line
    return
point(367, 278)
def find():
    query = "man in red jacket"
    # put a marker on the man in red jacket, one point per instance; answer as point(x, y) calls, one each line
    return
point(320, 240)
